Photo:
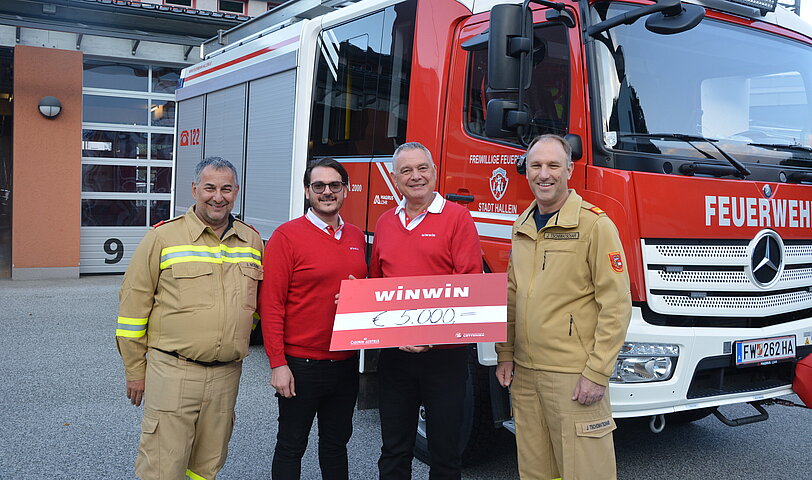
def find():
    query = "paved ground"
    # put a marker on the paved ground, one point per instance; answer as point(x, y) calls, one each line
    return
point(63, 413)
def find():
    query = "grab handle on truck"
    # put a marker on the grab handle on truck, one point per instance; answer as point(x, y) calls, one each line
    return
point(763, 415)
point(454, 197)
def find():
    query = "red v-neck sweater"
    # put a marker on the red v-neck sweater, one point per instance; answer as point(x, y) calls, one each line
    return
point(304, 267)
point(442, 244)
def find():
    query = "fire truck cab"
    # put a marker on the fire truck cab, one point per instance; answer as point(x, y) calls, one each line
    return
point(691, 124)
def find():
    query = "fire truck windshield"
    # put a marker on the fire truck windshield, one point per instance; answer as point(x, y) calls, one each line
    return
point(746, 90)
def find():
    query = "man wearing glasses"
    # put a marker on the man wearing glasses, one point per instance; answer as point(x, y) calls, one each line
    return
point(306, 260)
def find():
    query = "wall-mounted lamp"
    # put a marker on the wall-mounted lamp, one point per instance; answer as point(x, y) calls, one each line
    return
point(50, 107)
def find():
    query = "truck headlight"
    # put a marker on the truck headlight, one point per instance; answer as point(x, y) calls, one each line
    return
point(645, 362)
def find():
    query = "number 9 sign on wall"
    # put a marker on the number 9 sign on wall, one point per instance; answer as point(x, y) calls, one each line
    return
point(428, 310)
point(108, 249)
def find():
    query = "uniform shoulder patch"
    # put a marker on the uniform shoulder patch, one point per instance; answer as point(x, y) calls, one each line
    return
point(616, 260)
point(596, 210)
point(164, 222)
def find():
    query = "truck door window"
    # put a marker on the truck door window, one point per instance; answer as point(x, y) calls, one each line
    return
point(361, 93)
point(547, 100)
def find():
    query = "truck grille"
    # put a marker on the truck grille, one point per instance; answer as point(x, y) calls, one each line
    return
point(718, 376)
point(710, 278)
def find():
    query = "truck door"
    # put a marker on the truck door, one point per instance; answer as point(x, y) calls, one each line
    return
point(480, 172)
point(360, 102)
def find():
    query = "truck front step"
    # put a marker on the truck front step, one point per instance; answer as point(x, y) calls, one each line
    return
point(763, 415)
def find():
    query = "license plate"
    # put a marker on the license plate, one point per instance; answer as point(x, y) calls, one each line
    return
point(765, 351)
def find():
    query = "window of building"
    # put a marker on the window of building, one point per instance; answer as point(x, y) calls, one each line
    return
point(548, 100)
point(232, 6)
point(272, 5)
point(116, 75)
point(128, 120)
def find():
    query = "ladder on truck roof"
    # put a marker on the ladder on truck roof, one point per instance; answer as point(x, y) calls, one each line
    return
point(286, 13)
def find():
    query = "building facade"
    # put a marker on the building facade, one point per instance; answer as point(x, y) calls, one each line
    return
point(79, 189)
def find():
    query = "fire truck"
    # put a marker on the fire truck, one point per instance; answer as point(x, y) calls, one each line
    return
point(691, 126)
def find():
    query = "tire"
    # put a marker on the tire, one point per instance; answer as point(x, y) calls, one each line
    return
point(478, 429)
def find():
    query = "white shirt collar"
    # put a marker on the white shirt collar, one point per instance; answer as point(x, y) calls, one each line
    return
point(436, 205)
point(321, 223)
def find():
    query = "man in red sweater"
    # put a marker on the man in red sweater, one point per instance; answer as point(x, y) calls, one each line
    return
point(423, 235)
point(306, 260)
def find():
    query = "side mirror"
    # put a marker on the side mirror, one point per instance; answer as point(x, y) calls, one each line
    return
point(576, 144)
point(506, 43)
point(675, 20)
point(503, 118)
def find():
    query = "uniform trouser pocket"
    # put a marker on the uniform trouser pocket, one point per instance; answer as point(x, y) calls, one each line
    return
point(588, 450)
point(164, 382)
point(163, 450)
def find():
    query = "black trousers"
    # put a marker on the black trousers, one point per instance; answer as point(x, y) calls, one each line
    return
point(327, 389)
point(437, 379)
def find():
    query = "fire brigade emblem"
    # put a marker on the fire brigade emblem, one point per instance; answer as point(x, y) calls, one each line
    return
point(616, 261)
point(499, 182)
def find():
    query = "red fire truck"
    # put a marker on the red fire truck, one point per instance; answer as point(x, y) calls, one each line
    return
point(691, 125)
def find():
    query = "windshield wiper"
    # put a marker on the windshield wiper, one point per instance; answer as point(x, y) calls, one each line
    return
point(793, 147)
point(690, 168)
point(790, 147)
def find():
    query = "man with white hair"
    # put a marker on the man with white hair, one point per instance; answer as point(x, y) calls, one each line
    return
point(423, 235)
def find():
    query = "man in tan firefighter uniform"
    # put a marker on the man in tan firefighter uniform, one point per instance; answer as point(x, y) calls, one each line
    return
point(186, 313)
point(569, 306)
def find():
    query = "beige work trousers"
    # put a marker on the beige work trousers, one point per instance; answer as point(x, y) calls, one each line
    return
point(557, 437)
point(188, 418)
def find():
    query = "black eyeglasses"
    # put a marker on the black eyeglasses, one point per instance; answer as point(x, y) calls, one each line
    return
point(318, 187)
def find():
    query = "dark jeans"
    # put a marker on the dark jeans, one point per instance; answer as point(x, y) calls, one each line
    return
point(437, 379)
point(329, 390)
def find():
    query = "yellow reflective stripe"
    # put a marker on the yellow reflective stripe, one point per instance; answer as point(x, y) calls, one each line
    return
point(172, 261)
point(256, 321)
point(131, 327)
point(132, 321)
point(190, 248)
point(241, 260)
point(240, 250)
point(190, 475)
point(218, 255)
point(130, 333)
point(204, 248)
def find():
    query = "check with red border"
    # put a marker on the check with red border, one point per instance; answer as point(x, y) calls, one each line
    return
point(427, 310)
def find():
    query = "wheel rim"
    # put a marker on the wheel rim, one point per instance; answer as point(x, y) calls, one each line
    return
point(421, 421)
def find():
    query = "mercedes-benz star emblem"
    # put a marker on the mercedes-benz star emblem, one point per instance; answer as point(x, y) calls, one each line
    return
point(766, 254)
point(767, 191)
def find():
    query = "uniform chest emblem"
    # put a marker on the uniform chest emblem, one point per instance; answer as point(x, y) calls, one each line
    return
point(499, 182)
point(616, 260)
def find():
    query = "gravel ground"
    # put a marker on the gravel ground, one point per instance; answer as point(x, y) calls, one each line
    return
point(63, 413)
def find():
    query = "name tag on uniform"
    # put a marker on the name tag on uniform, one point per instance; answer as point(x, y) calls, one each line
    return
point(561, 236)
point(426, 310)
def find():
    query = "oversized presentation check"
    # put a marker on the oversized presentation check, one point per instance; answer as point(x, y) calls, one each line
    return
point(430, 310)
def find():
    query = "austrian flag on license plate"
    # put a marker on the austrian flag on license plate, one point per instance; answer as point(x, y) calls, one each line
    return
point(764, 351)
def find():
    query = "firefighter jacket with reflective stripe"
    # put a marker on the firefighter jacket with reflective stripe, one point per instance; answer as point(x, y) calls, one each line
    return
point(190, 292)
point(569, 301)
